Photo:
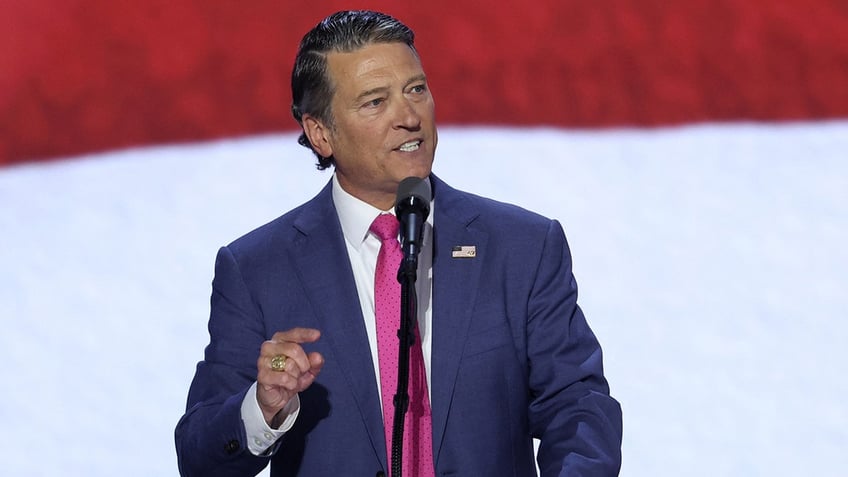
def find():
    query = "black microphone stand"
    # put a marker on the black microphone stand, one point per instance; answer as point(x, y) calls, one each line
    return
point(407, 275)
point(411, 208)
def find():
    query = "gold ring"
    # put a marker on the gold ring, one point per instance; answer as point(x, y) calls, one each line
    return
point(278, 362)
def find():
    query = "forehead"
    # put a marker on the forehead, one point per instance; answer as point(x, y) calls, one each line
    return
point(372, 66)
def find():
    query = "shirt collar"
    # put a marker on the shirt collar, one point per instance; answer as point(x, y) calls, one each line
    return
point(355, 215)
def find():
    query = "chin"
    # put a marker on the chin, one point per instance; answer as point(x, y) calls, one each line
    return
point(422, 171)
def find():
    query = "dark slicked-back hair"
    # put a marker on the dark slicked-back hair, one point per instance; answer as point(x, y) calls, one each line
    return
point(341, 32)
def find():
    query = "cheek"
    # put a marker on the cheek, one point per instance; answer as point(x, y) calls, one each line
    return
point(365, 133)
point(429, 107)
point(363, 138)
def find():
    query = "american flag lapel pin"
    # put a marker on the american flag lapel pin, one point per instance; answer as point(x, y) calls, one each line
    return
point(464, 251)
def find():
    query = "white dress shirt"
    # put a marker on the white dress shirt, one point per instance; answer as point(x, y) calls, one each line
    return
point(363, 246)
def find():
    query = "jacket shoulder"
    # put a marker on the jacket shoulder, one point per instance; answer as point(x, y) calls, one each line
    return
point(484, 211)
point(287, 228)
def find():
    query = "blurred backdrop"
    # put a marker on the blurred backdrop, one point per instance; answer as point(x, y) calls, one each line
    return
point(89, 75)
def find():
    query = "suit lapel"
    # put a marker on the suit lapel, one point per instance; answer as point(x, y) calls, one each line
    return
point(455, 284)
point(323, 263)
point(324, 267)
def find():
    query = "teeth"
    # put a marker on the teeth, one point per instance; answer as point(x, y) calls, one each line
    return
point(410, 146)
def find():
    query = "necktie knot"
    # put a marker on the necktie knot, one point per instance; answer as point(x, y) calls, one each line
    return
point(386, 227)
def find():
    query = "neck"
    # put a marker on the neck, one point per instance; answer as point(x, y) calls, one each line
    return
point(382, 201)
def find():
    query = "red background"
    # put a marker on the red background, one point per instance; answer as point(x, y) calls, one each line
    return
point(88, 75)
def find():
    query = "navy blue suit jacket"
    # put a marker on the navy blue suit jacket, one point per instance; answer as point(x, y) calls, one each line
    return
point(512, 355)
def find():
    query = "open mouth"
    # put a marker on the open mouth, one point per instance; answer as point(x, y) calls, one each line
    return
point(410, 146)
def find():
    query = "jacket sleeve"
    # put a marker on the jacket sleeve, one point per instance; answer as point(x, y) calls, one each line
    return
point(210, 436)
point(571, 411)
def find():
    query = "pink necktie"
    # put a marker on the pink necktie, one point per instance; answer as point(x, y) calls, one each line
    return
point(417, 436)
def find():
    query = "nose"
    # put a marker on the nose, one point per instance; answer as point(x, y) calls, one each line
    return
point(407, 116)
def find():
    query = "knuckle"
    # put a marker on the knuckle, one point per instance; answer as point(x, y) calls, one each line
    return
point(288, 382)
point(267, 347)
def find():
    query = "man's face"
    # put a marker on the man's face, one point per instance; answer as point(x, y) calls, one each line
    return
point(383, 128)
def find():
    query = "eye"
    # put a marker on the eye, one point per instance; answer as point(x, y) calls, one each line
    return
point(418, 89)
point(373, 103)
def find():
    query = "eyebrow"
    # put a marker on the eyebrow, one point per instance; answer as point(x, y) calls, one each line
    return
point(381, 89)
point(365, 94)
point(415, 79)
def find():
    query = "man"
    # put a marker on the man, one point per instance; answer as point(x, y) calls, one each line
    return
point(293, 375)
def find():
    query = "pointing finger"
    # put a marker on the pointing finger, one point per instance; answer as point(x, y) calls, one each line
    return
point(297, 335)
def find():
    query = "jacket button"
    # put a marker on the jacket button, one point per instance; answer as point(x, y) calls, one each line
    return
point(380, 473)
point(232, 447)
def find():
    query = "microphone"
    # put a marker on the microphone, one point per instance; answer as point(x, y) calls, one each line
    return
point(412, 208)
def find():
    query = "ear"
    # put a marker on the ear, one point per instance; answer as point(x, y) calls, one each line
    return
point(318, 134)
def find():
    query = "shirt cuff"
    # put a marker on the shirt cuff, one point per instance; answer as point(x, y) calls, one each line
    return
point(261, 436)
